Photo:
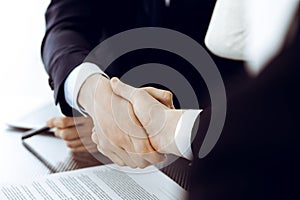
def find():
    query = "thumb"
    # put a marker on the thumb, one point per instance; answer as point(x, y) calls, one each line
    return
point(149, 111)
point(139, 103)
point(164, 96)
point(122, 89)
point(127, 92)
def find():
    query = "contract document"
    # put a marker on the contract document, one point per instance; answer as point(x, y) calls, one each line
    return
point(101, 182)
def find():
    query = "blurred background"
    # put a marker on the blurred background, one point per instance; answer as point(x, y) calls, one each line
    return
point(23, 80)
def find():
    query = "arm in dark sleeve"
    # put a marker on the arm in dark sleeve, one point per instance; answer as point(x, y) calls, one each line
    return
point(72, 30)
point(257, 154)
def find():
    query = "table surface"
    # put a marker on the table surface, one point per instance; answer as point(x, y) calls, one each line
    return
point(18, 164)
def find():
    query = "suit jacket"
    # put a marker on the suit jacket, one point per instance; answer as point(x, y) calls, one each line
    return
point(257, 155)
point(75, 27)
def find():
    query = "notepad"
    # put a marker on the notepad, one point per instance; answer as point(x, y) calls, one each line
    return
point(101, 182)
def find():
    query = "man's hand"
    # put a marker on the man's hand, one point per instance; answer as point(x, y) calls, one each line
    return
point(158, 120)
point(124, 141)
point(76, 132)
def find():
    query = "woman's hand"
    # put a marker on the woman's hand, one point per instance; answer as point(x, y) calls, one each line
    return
point(75, 131)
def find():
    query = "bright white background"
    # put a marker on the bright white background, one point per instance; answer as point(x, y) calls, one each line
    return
point(23, 80)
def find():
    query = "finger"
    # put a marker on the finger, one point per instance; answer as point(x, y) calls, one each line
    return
point(149, 111)
point(61, 122)
point(84, 131)
point(67, 133)
point(144, 149)
point(85, 141)
point(83, 120)
point(164, 96)
point(79, 149)
point(122, 89)
point(116, 159)
point(140, 149)
point(50, 123)
point(126, 158)
point(75, 143)
point(135, 97)
point(135, 156)
point(139, 160)
point(90, 148)
point(106, 147)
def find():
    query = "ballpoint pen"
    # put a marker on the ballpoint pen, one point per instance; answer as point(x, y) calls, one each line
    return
point(35, 132)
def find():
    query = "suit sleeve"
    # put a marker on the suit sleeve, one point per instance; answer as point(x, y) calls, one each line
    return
point(257, 154)
point(71, 32)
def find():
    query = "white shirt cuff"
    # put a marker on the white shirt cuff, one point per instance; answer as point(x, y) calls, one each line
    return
point(227, 31)
point(76, 79)
point(268, 30)
point(184, 131)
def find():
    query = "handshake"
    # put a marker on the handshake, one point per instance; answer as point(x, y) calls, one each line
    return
point(132, 126)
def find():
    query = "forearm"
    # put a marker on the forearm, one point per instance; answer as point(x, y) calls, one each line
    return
point(86, 93)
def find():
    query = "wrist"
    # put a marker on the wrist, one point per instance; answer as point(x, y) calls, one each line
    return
point(164, 141)
point(89, 89)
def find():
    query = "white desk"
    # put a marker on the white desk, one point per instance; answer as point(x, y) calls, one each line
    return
point(16, 163)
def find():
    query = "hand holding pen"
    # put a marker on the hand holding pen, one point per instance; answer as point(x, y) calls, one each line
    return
point(76, 132)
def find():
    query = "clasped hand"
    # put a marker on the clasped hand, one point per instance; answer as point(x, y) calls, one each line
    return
point(132, 127)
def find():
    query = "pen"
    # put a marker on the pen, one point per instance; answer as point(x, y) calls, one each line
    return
point(35, 132)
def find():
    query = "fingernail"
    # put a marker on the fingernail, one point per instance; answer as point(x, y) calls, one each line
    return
point(114, 80)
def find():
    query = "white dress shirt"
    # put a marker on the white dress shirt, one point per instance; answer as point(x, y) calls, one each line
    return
point(268, 24)
point(226, 34)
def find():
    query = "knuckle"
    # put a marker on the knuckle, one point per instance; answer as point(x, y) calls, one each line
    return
point(63, 122)
point(169, 95)
point(57, 133)
point(64, 135)
point(70, 145)
point(75, 150)
point(133, 166)
point(120, 163)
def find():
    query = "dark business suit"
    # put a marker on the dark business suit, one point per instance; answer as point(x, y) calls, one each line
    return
point(257, 156)
point(75, 27)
